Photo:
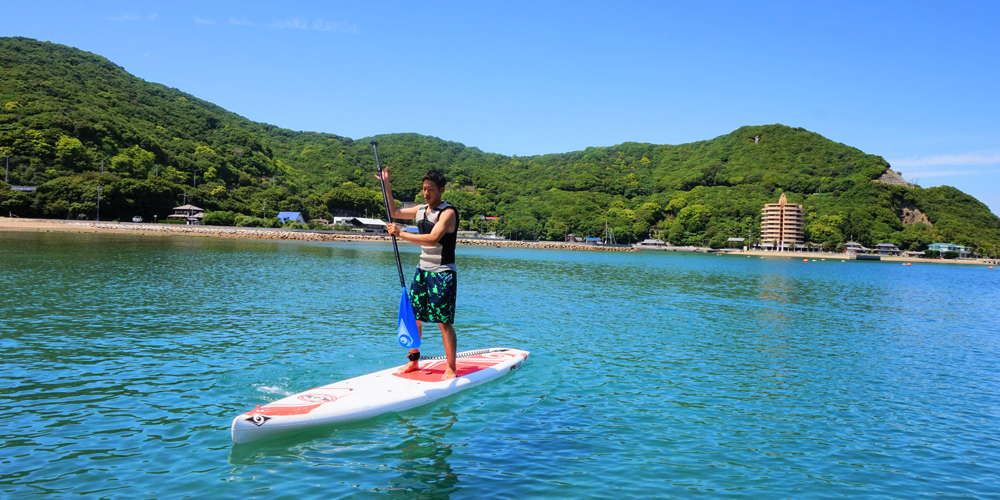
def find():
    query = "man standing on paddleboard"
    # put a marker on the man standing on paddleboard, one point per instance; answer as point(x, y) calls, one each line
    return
point(433, 289)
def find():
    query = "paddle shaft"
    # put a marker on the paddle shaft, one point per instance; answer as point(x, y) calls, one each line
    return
point(388, 213)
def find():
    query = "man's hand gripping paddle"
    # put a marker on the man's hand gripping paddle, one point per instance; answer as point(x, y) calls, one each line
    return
point(407, 333)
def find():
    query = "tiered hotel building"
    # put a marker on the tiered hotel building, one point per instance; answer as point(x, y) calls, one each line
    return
point(781, 224)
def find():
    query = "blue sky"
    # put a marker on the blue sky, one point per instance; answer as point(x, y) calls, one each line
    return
point(914, 82)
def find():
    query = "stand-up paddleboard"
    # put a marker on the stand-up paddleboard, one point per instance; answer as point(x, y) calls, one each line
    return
point(374, 394)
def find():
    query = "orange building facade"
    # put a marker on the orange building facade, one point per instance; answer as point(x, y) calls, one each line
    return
point(781, 223)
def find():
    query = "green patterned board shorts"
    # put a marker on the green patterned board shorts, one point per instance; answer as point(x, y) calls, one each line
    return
point(432, 296)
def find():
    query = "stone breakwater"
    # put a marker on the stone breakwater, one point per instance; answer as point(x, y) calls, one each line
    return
point(310, 235)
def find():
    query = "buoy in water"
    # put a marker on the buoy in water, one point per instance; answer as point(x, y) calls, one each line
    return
point(991, 267)
point(805, 260)
point(909, 264)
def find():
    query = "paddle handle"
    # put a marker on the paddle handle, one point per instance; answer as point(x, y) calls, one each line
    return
point(388, 214)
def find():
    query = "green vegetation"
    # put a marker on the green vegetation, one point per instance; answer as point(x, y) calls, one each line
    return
point(64, 113)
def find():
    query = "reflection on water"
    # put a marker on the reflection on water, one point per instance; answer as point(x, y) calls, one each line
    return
point(651, 375)
point(422, 458)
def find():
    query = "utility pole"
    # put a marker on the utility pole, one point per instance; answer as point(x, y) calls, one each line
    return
point(265, 209)
point(194, 178)
point(98, 203)
point(6, 173)
point(102, 166)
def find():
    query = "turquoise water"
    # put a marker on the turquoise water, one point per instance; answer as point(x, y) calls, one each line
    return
point(125, 359)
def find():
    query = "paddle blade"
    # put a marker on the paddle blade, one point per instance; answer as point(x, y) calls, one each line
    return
point(408, 335)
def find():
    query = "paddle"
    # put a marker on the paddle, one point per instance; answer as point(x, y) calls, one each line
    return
point(407, 333)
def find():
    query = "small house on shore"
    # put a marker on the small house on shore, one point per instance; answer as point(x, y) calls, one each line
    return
point(291, 216)
point(650, 243)
point(887, 249)
point(365, 224)
point(962, 252)
point(342, 221)
point(853, 247)
point(191, 214)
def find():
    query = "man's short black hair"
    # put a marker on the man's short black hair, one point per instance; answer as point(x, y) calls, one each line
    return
point(435, 177)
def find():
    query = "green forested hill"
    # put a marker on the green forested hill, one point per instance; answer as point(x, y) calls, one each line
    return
point(64, 111)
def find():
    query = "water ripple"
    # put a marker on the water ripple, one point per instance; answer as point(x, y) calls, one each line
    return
point(651, 375)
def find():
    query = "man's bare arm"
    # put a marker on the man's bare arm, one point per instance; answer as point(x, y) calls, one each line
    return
point(394, 211)
point(446, 223)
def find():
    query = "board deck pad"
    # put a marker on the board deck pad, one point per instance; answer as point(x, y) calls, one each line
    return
point(374, 394)
point(431, 371)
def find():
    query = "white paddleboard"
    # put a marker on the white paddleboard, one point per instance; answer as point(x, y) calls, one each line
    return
point(374, 394)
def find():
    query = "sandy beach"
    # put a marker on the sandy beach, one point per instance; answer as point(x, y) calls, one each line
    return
point(153, 229)
point(17, 224)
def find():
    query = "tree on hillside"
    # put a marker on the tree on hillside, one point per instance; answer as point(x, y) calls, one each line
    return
point(65, 110)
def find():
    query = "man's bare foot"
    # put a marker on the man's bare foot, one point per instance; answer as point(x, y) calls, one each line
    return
point(412, 366)
point(448, 374)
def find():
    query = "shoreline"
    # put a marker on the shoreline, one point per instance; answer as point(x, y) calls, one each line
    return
point(256, 233)
point(820, 256)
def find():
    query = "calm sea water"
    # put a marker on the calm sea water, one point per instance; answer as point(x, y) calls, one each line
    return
point(125, 359)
